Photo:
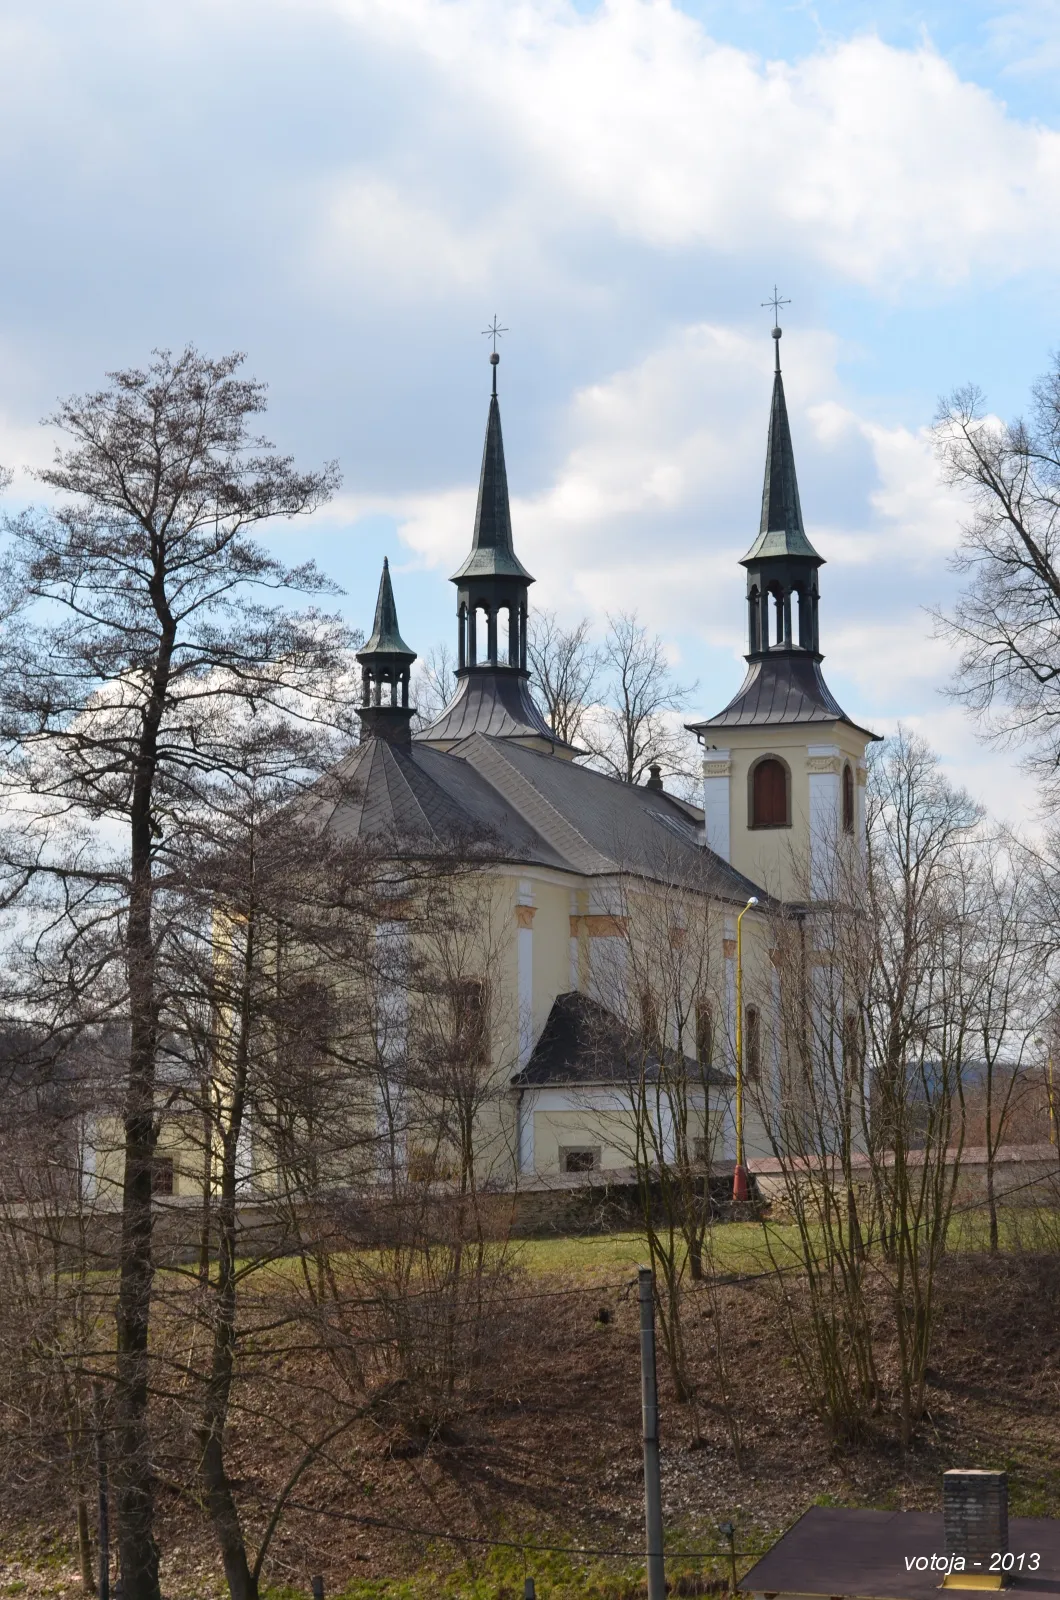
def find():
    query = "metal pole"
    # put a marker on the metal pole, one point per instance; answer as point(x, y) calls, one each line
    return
point(739, 1177)
point(104, 1498)
point(649, 1410)
point(317, 1585)
point(529, 1592)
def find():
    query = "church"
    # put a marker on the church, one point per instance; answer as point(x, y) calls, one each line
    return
point(590, 876)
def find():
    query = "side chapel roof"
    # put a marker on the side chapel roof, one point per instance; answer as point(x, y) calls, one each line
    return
point(584, 1043)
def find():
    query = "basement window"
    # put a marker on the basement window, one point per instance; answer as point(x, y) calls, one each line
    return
point(579, 1158)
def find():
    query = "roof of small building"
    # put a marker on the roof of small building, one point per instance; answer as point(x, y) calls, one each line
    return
point(872, 1555)
point(780, 690)
point(583, 1043)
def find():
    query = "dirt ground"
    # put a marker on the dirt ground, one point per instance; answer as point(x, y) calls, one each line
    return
point(548, 1452)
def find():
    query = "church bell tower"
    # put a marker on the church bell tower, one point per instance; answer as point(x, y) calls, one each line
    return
point(493, 684)
point(783, 765)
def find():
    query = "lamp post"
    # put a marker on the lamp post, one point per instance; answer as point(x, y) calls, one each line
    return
point(1050, 1099)
point(739, 1177)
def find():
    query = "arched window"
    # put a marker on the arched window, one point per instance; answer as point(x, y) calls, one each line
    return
point(848, 798)
point(769, 794)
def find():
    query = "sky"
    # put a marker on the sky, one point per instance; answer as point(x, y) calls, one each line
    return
point(349, 190)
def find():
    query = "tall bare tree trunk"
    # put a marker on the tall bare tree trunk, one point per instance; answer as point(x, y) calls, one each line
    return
point(133, 1473)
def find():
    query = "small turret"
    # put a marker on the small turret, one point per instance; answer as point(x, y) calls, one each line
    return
point(386, 663)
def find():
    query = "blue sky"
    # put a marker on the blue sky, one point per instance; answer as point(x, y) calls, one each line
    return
point(349, 189)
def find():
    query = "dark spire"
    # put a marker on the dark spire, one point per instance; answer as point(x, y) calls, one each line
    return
point(386, 638)
point(493, 685)
point(492, 554)
point(784, 685)
point(386, 660)
point(782, 565)
point(780, 531)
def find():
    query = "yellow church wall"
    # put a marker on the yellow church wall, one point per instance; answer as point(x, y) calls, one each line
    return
point(779, 859)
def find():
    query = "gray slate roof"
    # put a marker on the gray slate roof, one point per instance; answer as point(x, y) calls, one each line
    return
point(584, 1043)
point(780, 690)
point(528, 806)
point(495, 702)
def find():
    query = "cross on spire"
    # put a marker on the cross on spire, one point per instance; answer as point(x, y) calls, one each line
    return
point(494, 331)
point(776, 300)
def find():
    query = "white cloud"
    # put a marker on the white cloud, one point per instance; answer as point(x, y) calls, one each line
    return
point(877, 161)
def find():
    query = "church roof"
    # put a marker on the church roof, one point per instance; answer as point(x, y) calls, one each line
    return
point(498, 703)
point(779, 690)
point(584, 1043)
point(781, 531)
point(386, 636)
point(525, 806)
point(492, 552)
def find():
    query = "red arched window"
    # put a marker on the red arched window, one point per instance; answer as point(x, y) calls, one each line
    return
point(848, 798)
point(769, 795)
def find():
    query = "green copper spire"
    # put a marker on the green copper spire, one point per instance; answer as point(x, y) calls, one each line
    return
point(492, 554)
point(386, 638)
point(386, 667)
point(781, 532)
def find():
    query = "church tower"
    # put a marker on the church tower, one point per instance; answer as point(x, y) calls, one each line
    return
point(386, 664)
point(493, 684)
point(783, 765)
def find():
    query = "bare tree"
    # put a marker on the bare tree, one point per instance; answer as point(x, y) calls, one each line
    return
point(1006, 624)
point(130, 598)
point(564, 666)
point(632, 728)
point(433, 683)
point(661, 1020)
point(1009, 961)
point(879, 985)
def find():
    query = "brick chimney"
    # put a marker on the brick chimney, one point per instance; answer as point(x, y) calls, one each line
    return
point(975, 1514)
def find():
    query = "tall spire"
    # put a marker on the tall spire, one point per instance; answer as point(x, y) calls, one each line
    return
point(780, 529)
point(492, 553)
point(386, 660)
point(784, 685)
point(782, 565)
point(493, 685)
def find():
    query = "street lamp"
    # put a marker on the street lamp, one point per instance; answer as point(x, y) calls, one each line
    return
point(739, 1177)
point(1049, 1090)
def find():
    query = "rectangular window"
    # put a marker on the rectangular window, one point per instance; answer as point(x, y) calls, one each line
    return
point(470, 1021)
point(579, 1158)
point(752, 1043)
point(649, 1021)
point(162, 1175)
point(704, 1033)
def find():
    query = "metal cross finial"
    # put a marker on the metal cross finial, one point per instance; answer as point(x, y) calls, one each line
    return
point(494, 332)
point(776, 300)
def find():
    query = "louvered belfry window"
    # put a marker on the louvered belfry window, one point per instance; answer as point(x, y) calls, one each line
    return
point(770, 795)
